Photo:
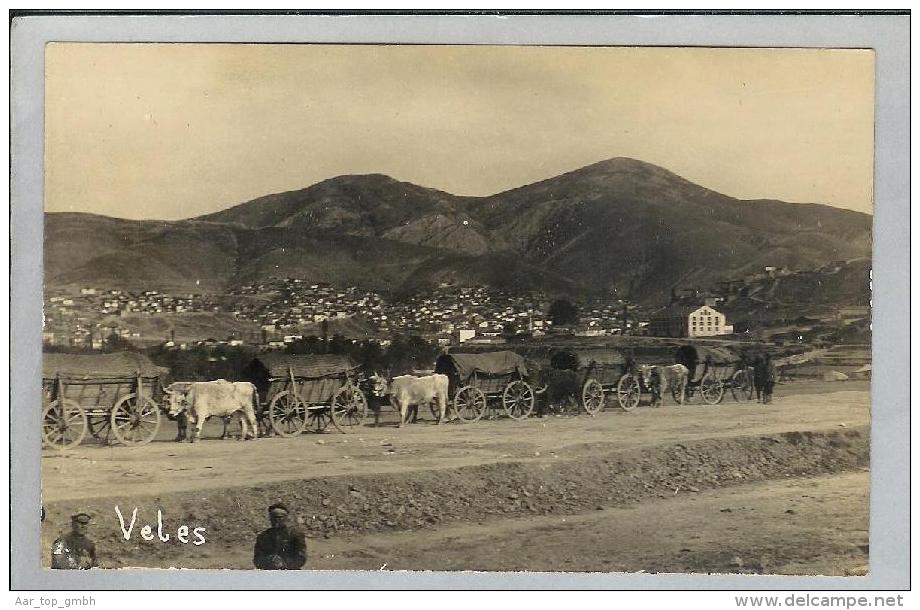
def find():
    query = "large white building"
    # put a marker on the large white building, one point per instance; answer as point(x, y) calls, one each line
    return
point(684, 321)
point(706, 322)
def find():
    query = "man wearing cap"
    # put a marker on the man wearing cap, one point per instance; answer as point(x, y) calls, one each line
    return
point(280, 547)
point(74, 551)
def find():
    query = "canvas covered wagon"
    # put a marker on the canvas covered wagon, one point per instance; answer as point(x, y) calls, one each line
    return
point(599, 372)
point(712, 371)
point(308, 391)
point(103, 394)
point(480, 382)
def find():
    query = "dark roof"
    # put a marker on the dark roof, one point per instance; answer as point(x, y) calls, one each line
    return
point(491, 363)
point(310, 366)
point(597, 357)
point(718, 355)
point(121, 364)
point(673, 311)
point(654, 354)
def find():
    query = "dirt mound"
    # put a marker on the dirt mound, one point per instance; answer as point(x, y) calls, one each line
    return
point(346, 505)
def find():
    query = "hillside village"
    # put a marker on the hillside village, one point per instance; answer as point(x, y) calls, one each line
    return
point(278, 311)
point(284, 307)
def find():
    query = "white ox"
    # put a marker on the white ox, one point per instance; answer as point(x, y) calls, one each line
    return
point(221, 398)
point(407, 390)
point(659, 378)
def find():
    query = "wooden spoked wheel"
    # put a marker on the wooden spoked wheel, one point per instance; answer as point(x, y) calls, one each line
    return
point(629, 392)
point(518, 399)
point(711, 389)
point(469, 404)
point(135, 420)
point(348, 409)
point(288, 414)
point(100, 425)
point(742, 386)
point(64, 424)
point(592, 397)
point(318, 419)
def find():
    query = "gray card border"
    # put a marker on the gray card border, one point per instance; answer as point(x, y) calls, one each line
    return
point(888, 35)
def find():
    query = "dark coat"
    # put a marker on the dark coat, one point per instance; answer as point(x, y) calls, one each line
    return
point(760, 372)
point(280, 548)
point(73, 552)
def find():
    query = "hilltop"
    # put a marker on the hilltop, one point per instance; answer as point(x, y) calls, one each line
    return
point(619, 227)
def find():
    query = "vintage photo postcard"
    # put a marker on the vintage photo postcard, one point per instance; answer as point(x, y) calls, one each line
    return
point(457, 308)
point(416, 307)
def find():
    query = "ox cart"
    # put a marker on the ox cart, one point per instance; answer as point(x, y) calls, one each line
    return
point(308, 392)
point(713, 371)
point(483, 382)
point(103, 394)
point(598, 371)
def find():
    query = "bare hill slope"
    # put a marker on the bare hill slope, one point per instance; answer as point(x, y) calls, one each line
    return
point(620, 226)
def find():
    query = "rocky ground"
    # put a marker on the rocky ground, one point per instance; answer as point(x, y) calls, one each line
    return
point(731, 488)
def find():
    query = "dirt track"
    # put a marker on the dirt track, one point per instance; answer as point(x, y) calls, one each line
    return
point(400, 497)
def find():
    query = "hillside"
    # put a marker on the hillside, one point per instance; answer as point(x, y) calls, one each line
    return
point(183, 326)
point(641, 228)
point(620, 226)
point(802, 299)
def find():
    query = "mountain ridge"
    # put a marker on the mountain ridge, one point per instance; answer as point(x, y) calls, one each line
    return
point(619, 226)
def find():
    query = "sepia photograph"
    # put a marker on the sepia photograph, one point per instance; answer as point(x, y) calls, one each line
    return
point(396, 307)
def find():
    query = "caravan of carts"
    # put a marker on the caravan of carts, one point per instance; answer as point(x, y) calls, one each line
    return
point(118, 398)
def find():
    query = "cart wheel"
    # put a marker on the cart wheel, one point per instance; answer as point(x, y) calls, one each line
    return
point(100, 426)
point(518, 399)
point(592, 396)
point(318, 419)
point(349, 408)
point(135, 420)
point(628, 392)
point(63, 425)
point(741, 386)
point(469, 404)
point(711, 389)
point(287, 413)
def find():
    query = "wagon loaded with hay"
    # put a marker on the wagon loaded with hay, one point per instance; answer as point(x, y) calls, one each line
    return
point(308, 392)
point(487, 382)
point(107, 395)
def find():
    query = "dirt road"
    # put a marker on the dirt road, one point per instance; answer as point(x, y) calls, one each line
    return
point(495, 493)
point(166, 467)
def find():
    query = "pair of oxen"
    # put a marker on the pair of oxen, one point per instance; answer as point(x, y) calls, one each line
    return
point(194, 402)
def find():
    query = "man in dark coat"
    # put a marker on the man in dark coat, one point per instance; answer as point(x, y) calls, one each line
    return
point(74, 551)
point(769, 379)
point(280, 547)
point(760, 373)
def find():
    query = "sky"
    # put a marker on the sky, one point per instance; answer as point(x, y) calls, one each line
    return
point(173, 131)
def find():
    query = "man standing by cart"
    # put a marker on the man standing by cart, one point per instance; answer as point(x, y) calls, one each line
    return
point(280, 547)
point(760, 373)
point(769, 379)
